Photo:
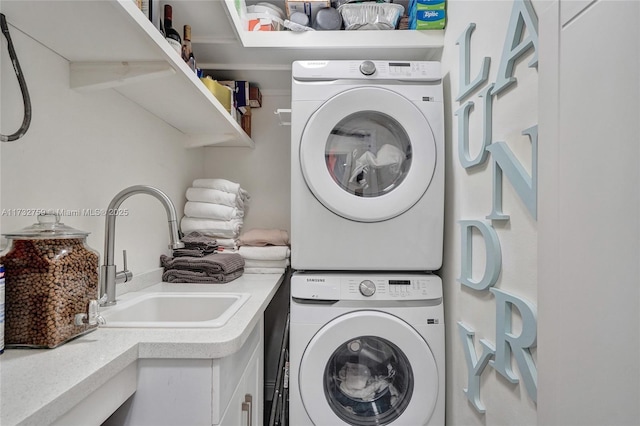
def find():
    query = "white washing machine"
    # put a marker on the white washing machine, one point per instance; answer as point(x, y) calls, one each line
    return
point(367, 176)
point(366, 349)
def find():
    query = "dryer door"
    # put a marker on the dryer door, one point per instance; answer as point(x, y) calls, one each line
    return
point(368, 368)
point(368, 154)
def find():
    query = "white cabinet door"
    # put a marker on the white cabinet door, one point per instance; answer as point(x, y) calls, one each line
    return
point(589, 235)
point(170, 392)
point(245, 408)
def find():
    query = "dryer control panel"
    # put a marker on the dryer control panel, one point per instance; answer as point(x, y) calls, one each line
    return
point(365, 287)
point(367, 70)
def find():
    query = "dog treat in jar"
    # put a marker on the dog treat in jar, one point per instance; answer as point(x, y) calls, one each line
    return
point(51, 276)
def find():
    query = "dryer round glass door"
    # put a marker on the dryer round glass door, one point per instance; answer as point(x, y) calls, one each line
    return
point(368, 154)
point(368, 368)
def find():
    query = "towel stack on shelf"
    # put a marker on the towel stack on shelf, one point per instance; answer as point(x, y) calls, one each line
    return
point(215, 207)
point(265, 251)
point(198, 262)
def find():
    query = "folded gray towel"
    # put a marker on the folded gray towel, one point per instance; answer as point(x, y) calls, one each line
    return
point(196, 244)
point(212, 268)
point(188, 252)
point(198, 238)
point(199, 277)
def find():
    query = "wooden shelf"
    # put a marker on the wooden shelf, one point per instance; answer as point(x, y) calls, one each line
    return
point(110, 44)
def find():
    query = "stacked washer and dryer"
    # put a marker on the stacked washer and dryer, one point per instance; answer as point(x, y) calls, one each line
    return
point(367, 213)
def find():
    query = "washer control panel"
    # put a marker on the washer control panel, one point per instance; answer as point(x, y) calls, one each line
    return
point(388, 288)
point(332, 286)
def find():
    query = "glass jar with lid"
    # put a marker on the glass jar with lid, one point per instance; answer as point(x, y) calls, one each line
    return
point(51, 278)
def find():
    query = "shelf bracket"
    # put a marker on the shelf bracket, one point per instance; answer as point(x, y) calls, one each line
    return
point(87, 76)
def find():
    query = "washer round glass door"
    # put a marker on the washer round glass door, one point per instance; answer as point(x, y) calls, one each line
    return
point(368, 154)
point(368, 368)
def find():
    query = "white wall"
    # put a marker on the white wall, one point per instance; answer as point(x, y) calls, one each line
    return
point(81, 150)
point(264, 171)
point(469, 197)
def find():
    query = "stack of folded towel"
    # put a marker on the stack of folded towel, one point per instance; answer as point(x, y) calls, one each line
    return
point(265, 251)
point(215, 207)
point(198, 262)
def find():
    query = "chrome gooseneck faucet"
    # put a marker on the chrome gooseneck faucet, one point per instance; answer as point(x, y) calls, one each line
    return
point(108, 275)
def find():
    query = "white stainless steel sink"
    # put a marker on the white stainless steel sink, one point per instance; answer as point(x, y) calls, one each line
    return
point(175, 310)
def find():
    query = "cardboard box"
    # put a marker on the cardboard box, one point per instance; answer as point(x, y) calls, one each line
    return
point(255, 97)
point(245, 121)
point(241, 92)
point(308, 7)
point(261, 22)
point(223, 93)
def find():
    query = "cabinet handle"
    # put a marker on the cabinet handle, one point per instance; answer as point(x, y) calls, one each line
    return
point(247, 406)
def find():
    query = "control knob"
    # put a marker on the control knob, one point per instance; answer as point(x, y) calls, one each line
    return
point(367, 288)
point(367, 68)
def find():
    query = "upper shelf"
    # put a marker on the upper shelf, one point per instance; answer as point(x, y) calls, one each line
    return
point(418, 45)
point(111, 44)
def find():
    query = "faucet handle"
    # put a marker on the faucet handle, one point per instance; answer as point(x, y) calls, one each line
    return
point(125, 275)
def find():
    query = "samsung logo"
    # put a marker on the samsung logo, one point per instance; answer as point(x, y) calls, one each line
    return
point(315, 280)
point(314, 64)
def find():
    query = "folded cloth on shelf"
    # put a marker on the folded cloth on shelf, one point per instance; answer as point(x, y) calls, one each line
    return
point(199, 277)
point(198, 239)
point(264, 237)
point(224, 185)
point(210, 227)
point(182, 252)
point(264, 270)
point(220, 184)
point(215, 196)
point(212, 268)
point(265, 253)
point(227, 243)
point(254, 263)
point(196, 244)
point(211, 211)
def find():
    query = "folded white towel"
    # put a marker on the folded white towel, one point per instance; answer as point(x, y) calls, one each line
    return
point(211, 211)
point(254, 263)
point(265, 253)
point(214, 228)
point(215, 196)
point(222, 185)
point(227, 243)
point(264, 270)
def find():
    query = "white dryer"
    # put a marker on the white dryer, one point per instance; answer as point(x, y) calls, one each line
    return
point(367, 176)
point(366, 349)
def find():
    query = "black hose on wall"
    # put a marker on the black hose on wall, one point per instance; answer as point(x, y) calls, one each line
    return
point(23, 86)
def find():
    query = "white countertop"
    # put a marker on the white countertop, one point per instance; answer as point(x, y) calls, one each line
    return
point(39, 385)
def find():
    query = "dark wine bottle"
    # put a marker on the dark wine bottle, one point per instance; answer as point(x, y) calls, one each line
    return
point(170, 33)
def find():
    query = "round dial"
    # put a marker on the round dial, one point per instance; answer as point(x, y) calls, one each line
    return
point(367, 68)
point(367, 288)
